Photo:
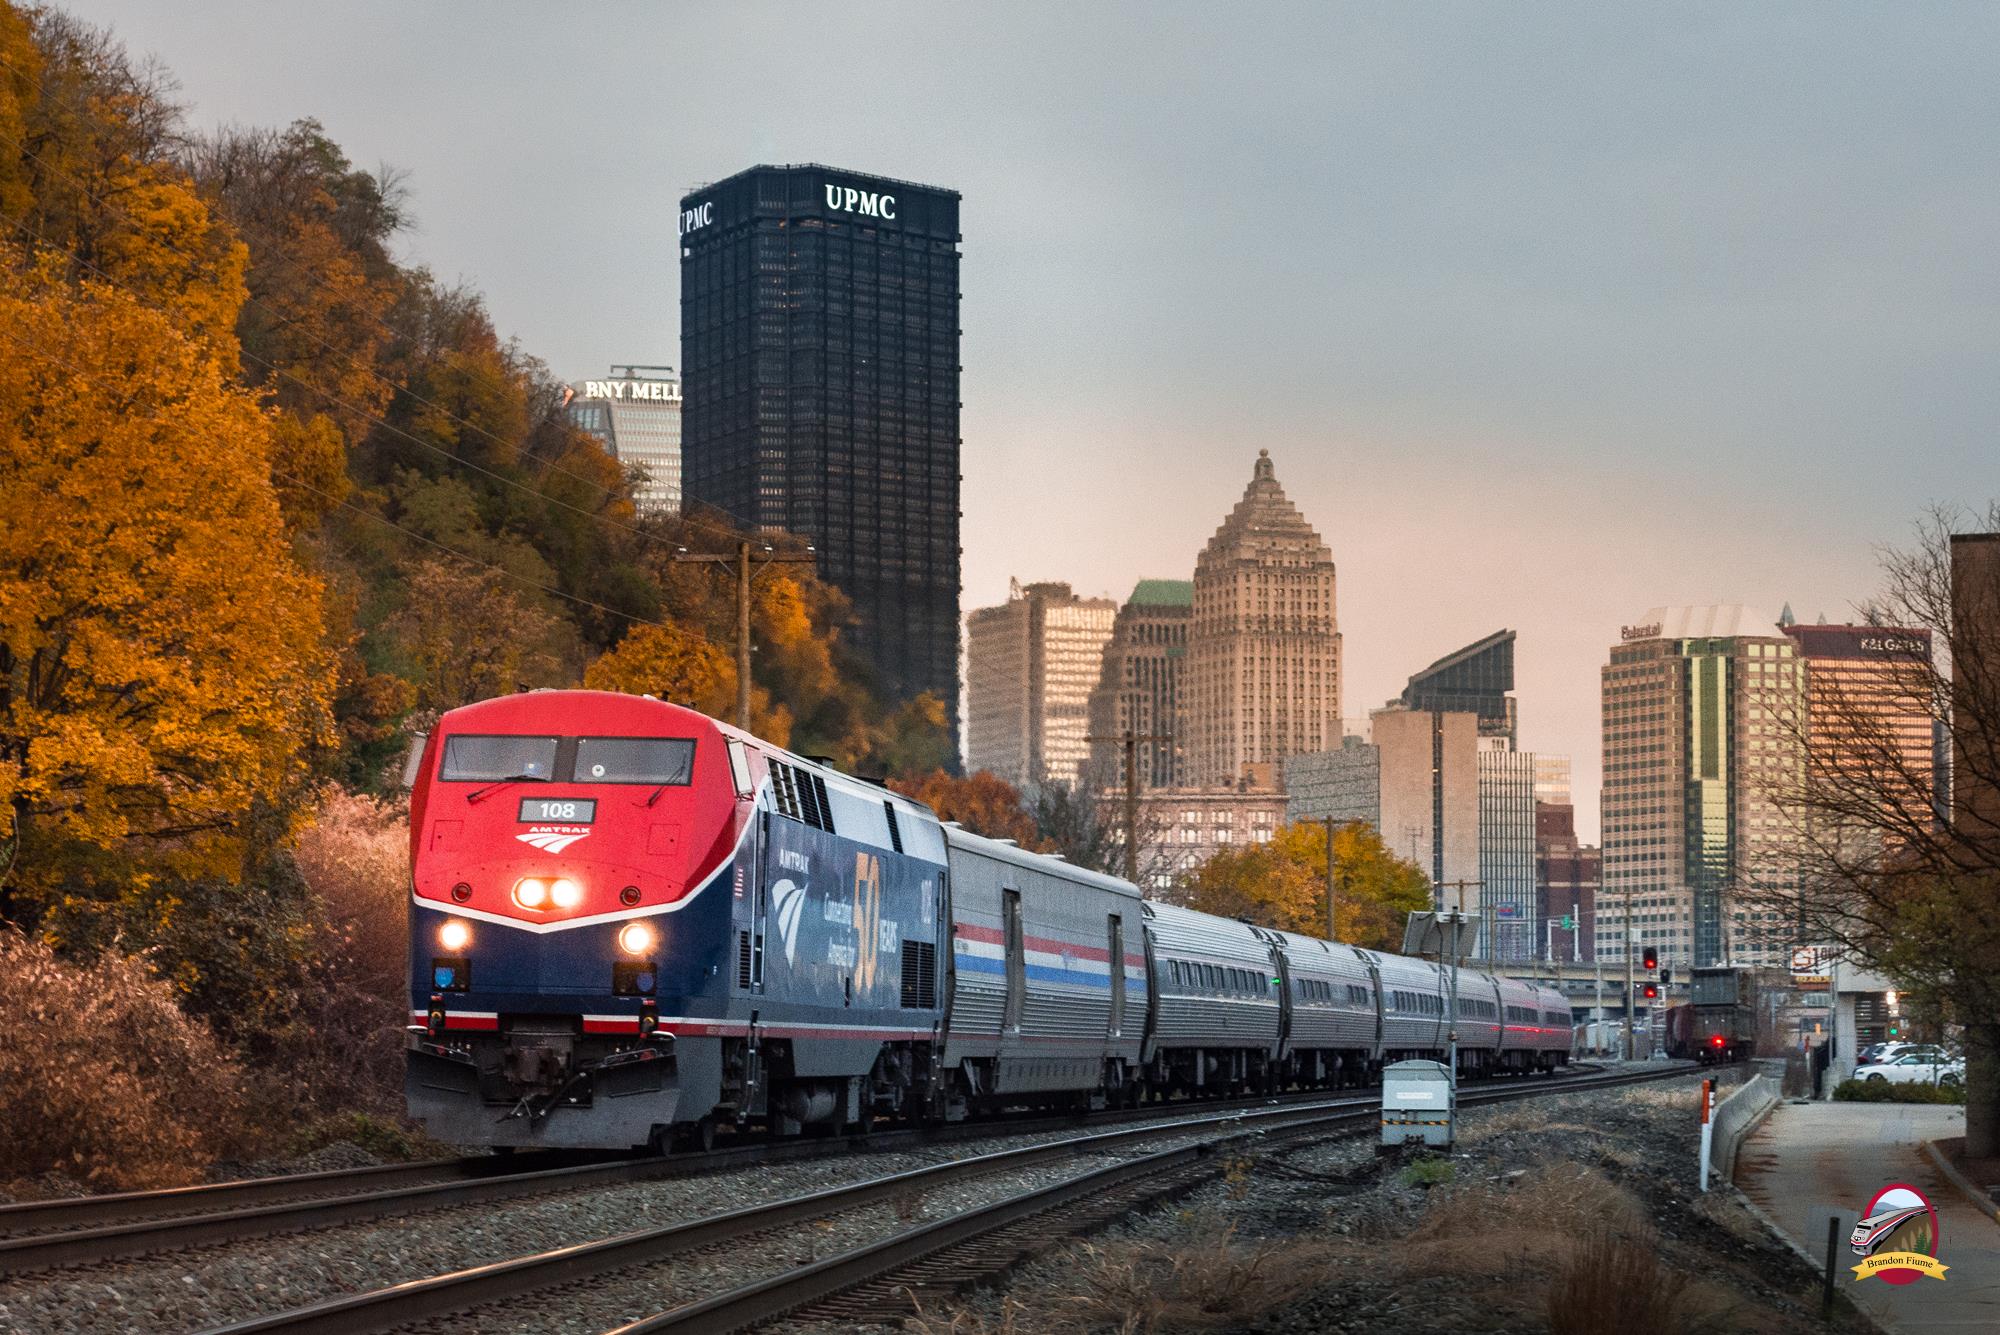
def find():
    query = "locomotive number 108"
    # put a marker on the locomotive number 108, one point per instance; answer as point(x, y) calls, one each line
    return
point(575, 810)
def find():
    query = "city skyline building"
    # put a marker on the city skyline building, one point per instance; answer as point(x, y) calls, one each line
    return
point(820, 352)
point(1507, 885)
point(1181, 828)
point(1417, 782)
point(1262, 679)
point(1869, 712)
point(1478, 679)
point(1700, 717)
point(1031, 665)
point(1568, 876)
point(1552, 779)
point(635, 413)
point(1138, 689)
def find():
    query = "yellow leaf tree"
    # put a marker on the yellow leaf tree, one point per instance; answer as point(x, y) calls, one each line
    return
point(162, 669)
point(684, 667)
point(1283, 884)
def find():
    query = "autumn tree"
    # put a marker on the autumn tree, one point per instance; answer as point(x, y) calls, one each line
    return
point(675, 664)
point(1876, 861)
point(983, 803)
point(161, 667)
point(1076, 822)
point(468, 632)
point(1283, 884)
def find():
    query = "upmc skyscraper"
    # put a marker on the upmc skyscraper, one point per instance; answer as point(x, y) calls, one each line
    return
point(819, 350)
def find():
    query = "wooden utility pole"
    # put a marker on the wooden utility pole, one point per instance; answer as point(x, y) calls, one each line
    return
point(742, 561)
point(1130, 741)
point(1331, 935)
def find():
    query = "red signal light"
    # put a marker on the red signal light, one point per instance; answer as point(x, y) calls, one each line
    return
point(1651, 958)
point(1715, 1040)
point(1652, 991)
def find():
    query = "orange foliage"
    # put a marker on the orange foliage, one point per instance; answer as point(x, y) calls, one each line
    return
point(983, 803)
point(162, 650)
point(102, 1078)
point(678, 665)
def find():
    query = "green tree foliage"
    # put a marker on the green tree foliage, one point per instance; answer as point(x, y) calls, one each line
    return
point(1283, 884)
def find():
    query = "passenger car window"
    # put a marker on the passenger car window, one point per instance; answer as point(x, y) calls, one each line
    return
point(668, 760)
point(476, 759)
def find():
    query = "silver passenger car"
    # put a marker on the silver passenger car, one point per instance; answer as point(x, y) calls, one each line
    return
point(1333, 1021)
point(1216, 1004)
point(1046, 988)
point(1413, 993)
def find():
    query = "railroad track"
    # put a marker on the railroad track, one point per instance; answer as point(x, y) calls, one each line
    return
point(953, 1248)
point(44, 1235)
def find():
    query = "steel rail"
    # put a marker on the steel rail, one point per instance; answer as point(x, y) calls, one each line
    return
point(26, 1217)
point(781, 1294)
point(424, 1299)
point(417, 1300)
point(104, 1228)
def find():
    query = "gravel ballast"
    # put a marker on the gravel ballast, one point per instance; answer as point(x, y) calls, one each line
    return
point(201, 1287)
point(1330, 1237)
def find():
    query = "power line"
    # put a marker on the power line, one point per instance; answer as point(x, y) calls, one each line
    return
point(384, 520)
point(277, 252)
point(363, 413)
point(274, 249)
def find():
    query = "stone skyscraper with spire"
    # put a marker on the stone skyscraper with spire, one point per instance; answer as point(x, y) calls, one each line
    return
point(1262, 676)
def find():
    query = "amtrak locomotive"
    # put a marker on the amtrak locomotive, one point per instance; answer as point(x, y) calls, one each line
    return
point(631, 922)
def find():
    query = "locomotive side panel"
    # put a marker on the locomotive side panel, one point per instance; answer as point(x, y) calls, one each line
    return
point(849, 955)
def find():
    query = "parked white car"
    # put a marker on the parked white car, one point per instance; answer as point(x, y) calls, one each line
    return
point(1912, 1068)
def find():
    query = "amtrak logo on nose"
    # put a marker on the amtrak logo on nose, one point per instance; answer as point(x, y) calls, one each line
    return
point(552, 841)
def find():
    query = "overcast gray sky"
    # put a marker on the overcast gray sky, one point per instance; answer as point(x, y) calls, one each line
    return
point(1547, 314)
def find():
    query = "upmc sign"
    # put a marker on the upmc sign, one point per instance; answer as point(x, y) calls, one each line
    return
point(867, 203)
point(701, 215)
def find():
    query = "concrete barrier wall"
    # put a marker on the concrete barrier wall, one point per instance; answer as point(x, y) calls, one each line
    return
point(1736, 1115)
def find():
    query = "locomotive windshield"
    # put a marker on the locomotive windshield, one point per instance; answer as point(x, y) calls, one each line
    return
point(476, 759)
point(661, 760)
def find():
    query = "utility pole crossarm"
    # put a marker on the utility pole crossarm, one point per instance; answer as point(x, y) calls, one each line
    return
point(743, 561)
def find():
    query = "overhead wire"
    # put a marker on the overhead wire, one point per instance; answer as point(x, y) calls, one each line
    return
point(468, 558)
point(363, 413)
point(277, 251)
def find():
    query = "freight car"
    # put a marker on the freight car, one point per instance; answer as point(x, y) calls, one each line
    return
point(1723, 1002)
point(631, 922)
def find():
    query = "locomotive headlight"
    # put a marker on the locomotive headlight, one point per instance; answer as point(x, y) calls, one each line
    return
point(636, 938)
point(566, 893)
point(454, 935)
point(531, 893)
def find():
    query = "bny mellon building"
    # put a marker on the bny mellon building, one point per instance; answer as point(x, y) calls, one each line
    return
point(1262, 680)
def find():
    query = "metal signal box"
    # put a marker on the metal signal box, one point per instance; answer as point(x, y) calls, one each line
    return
point(1418, 1103)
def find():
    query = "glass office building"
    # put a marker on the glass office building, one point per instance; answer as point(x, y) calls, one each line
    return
point(1477, 679)
point(1701, 713)
point(635, 413)
point(819, 342)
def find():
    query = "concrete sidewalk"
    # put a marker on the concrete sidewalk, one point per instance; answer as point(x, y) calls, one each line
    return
point(1809, 1161)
